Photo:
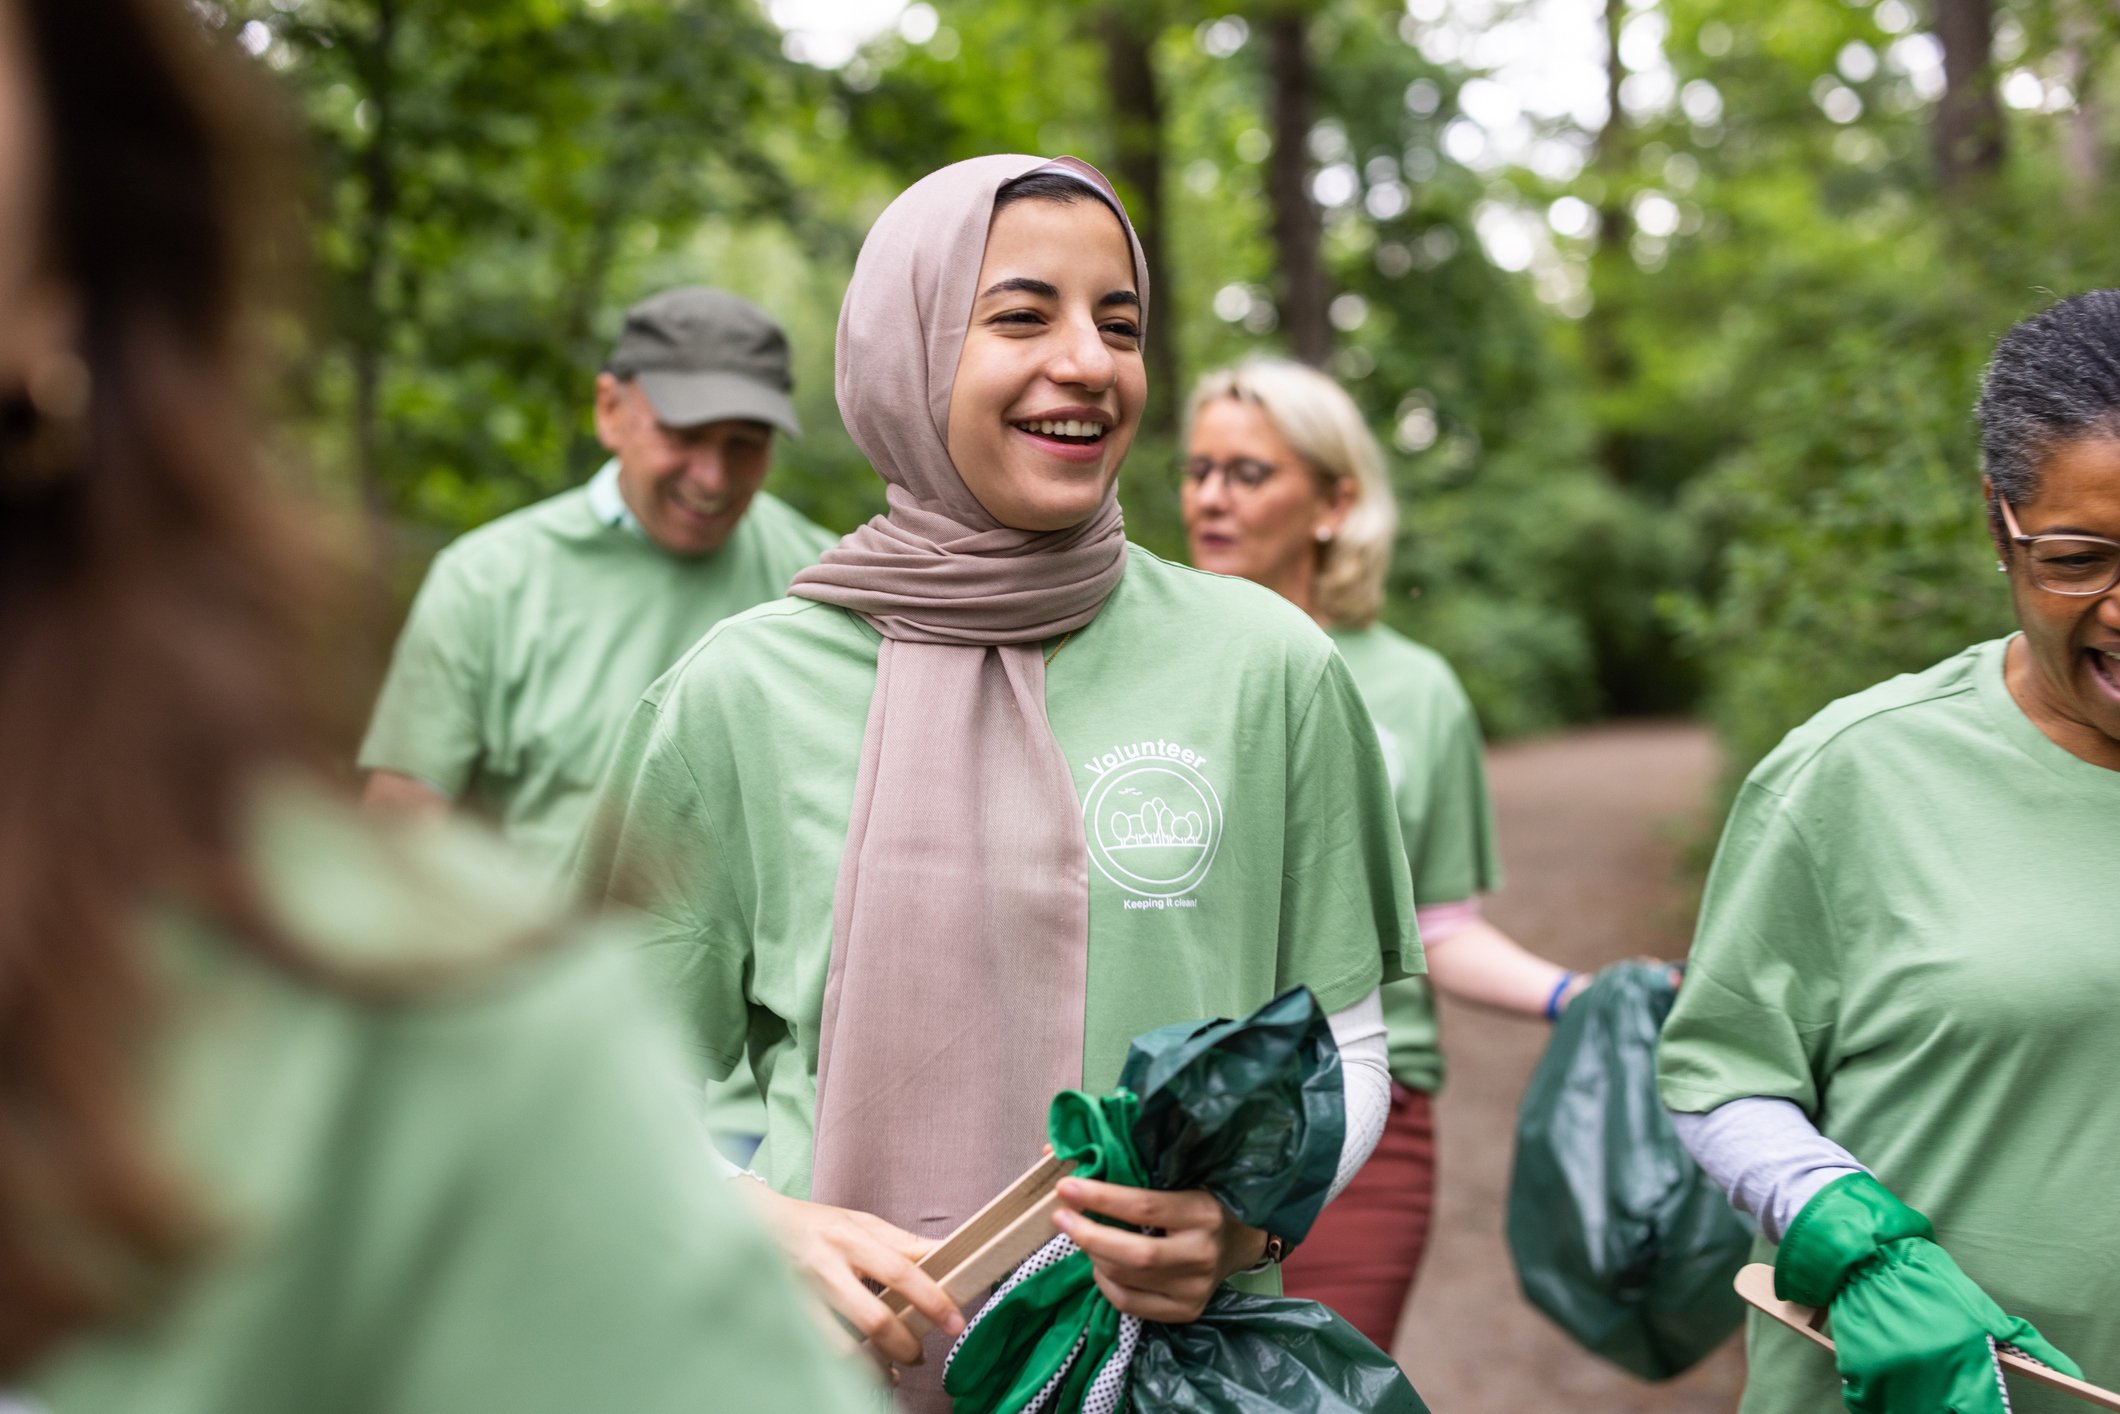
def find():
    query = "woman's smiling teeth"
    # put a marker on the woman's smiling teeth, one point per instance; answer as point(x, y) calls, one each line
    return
point(1071, 428)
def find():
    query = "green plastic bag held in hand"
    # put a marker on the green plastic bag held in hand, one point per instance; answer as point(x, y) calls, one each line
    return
point(1253, 1112)
point(1616, 1233)
point(1911, 1332)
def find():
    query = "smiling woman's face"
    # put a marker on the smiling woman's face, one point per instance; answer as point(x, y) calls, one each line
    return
point(1050, 385)
point(2065, 671)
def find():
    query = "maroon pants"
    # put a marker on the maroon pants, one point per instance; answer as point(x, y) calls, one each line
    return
point(1361, 1257)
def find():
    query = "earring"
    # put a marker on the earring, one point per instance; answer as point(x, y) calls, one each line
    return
point(2001, 568)
point(1324, 535)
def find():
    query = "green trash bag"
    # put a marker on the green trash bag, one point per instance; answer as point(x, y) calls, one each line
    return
point(1252, 1354)
point(1616, 1233)
point(1253, 1112)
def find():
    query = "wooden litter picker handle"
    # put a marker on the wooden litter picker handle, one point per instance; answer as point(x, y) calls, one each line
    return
point(993, 1242)
point(1755, 1283)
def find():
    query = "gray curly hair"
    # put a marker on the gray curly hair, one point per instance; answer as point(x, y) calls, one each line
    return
point(2055, 378)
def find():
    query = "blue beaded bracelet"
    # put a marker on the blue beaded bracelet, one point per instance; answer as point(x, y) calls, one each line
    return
point(1553, 1003)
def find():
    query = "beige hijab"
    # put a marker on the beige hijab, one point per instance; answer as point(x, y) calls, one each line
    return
point(960, 935)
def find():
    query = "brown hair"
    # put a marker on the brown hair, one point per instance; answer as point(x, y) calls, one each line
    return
point(153, 628)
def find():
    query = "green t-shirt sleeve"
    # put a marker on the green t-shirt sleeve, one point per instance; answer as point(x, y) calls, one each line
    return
point(548, 1233)
point(1346, 896)
point(655, 846)
point(427, 719)
point(1755, 1015)
point(1451, 844)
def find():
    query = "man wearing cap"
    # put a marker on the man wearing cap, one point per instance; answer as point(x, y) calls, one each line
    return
point(533, 637)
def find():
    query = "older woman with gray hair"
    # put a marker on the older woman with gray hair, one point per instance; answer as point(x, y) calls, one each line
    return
point(1284, 485)
point(1896, 1046)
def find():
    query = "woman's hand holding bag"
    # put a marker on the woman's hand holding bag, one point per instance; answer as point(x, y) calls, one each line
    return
point(1167, 1273)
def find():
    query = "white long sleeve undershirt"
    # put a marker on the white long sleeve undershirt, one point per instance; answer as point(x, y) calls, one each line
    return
point(1766, 1155)
point(1365, 1076)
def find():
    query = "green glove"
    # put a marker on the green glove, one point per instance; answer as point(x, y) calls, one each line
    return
point(1911, 1332)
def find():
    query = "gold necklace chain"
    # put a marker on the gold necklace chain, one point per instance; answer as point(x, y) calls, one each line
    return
point(1058, 646)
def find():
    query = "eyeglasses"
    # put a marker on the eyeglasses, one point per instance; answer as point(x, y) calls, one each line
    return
point(2066, 564)
point(1247, 472)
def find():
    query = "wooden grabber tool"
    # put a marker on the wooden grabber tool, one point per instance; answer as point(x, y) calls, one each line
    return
point(1755, 1283)
point(993, 1242)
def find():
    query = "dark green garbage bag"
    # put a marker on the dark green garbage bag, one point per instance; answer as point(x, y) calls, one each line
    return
point(1253, 1112)
point(1616, 1233)
point(1264, 1354)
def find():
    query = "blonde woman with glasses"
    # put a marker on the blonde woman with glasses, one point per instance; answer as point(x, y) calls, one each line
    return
point(1282, 484)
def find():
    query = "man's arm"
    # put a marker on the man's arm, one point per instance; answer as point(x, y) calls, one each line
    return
point(428, 732)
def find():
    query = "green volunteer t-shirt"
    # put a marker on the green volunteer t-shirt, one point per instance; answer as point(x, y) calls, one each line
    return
point(1437, 765)
point(493, 1198)
point(1213, 706)
point(533, 637)
point(531, 640)
point(1908, 931)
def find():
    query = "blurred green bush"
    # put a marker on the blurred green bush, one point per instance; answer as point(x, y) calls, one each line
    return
point(1538, 578)
point(1854, 542)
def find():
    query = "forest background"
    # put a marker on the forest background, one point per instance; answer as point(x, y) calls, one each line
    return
point(1676, 378)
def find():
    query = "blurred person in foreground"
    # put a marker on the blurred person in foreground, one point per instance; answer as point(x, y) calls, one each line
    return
point(1284, 485)
point(296, 1115)
point(533, 636)
point(1896, 1044)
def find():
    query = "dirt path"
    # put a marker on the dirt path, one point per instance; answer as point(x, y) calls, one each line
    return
point(1591, 826)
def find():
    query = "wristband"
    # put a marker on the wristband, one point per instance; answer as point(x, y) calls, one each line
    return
point(1553, 1003)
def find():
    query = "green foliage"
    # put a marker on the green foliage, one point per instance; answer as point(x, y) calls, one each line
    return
point(493, 173)
point(1721, 458)
point(1519, 558)
point(1817, 351)
point(1855, 534)
point(1537, 578)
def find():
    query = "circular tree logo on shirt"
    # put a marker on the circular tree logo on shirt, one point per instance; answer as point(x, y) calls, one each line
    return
point(1152, 821)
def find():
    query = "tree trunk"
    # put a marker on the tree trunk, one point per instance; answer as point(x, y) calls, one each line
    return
point(1605, 352)
point(1610, 154)
point(2082, 153)
point(1298, 226)
point(378, 68)
point(1137, 146)
point(633, 156)
point(1967, 128)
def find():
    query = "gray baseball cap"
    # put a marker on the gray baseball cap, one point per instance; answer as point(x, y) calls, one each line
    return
point(704, 355)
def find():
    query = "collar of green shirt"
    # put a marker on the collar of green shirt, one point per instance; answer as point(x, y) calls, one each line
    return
point(607, 503)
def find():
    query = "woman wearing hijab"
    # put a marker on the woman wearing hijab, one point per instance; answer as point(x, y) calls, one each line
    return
point(1285, 486)
point(1896, 1043)
point(996, 791)
point(294, 1115)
